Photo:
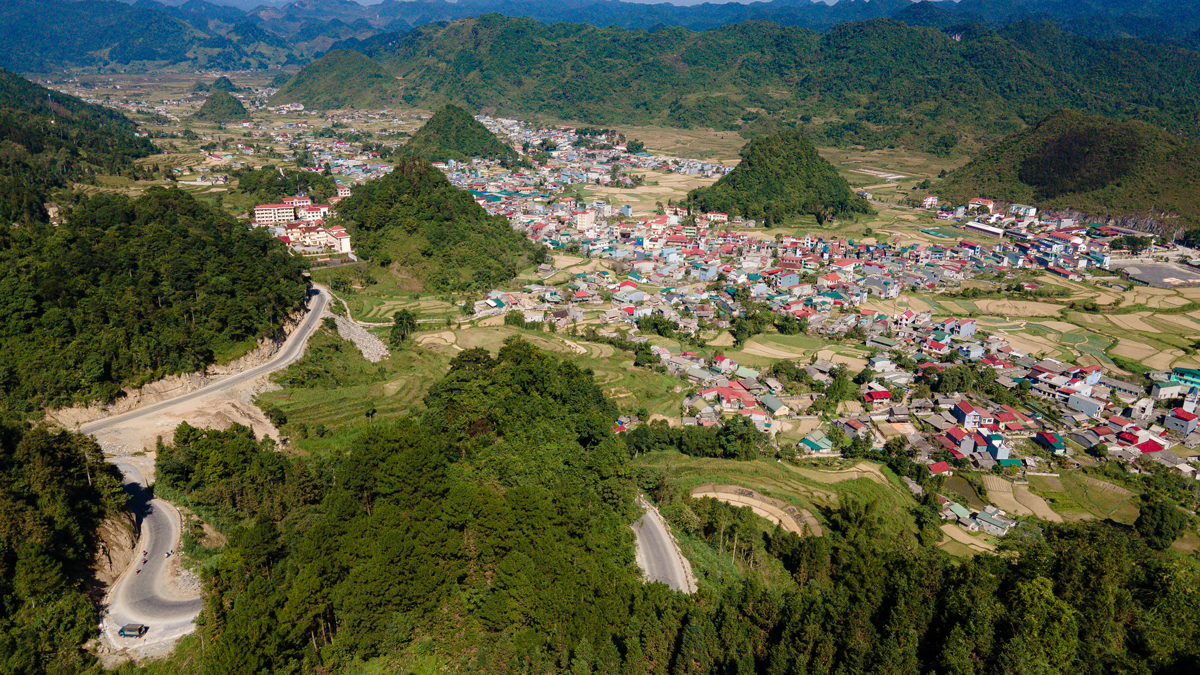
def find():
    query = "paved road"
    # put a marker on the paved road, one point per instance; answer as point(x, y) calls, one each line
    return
point(292, 350)
point(657, 554)
point(138, 596)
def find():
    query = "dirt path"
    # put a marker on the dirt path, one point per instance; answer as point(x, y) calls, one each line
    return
point(777, 511)
point(860, 470)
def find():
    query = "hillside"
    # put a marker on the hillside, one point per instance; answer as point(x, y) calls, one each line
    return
point(1089, 163)
point(780, 177)
point(340, 79)
point(51, 139)
point(132, 288)
point(221, 106)
point(875, 83)
point(434, 232)
point(452, 133)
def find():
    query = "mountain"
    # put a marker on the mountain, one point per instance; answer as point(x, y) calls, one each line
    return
point(780, 177)
point(1088, 163)
point(875, 83)
point(223, 83)
point(452, 133)
point(435, 233)
point(52, 139)
point(221, 107)
point(126, 289)
point(340, 79)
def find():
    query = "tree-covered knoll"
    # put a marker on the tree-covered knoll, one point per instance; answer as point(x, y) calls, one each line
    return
point(132, 289)
point(433, 231)
point(48, 139)
point(489, 534)
point(1073, 160)
point(452, 133)
point(340, 79)
point(270, 184)
point(55, 490)
point(874, 83)
point(221, 106)
point(780, 177)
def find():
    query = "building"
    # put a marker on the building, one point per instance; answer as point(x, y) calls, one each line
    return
point(1181, 421)
point(269, 214)
point(343, 191)
point(1186, 376)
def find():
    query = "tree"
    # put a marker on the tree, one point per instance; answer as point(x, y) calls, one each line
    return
point(1160, 524)
point(370, 412)
point(404, 322)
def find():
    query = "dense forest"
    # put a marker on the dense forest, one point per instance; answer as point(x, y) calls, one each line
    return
point(340, 79)
point(780, 177)
point(452, 133)
point(128, 290)
point(48, 139)
point(433, 231)
point(221, 106)
point(874, 83)
point(490, 534)
point(1084, 162)
point(55, 490)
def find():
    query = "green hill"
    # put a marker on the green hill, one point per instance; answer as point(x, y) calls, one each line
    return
point(133, 288)
point(221, 106)
point(1073, 160)
point(340, 79)
point(435, 232)
point(780, 177)
point(452, 133)
point(874, 83)
point(49, 139)
point(223, 84)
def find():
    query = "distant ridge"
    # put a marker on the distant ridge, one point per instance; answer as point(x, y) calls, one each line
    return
point(340, 79)
point(1092, 164)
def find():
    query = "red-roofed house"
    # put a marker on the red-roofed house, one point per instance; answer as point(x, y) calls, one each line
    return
point(1181, 421)
point(940, 468)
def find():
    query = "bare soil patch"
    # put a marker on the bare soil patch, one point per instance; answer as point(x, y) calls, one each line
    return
point(777, 511)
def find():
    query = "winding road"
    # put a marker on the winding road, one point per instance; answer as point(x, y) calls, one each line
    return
point(657, 554)
point(140, 595)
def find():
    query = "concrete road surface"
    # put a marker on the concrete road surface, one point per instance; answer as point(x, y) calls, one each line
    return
point(292, 350)
point(139, 596)
point(658, 555)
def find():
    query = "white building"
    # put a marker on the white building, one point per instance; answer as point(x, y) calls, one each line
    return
point(268, 214)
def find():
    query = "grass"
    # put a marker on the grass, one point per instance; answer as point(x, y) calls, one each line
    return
point(892, 502)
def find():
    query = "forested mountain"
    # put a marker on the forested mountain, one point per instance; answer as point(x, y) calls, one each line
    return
point(49, 139)
point(433, 231)
point(1084, 162)
point(452, 133)
point(221, 106)
point(56, 489)
point(133, 289)
point(779, 177)
point(341, 79)
point(874, 83)
point(490, 534)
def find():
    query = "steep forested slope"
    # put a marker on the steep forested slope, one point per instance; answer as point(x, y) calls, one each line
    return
point(452, 133)
point(340, 79)
point(779, 177)
point(48, 139)
point(490, 534)
point(133, 288)
point(55, 490)
point(1072, 160)
point(875, 83)
point(434, 231)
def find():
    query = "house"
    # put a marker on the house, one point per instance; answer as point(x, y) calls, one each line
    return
point(929, 202)
point(774, 405)
point(967, 415)
point(1181, 421)
point(1051, 442)
point(1085, 404)
point(269, 214)
point(939, 468)
point(853, 428)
